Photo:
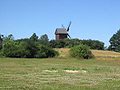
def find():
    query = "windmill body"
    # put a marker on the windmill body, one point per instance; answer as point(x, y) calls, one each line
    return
point(62, 33)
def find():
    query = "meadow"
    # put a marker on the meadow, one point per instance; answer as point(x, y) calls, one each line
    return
point(61, 73)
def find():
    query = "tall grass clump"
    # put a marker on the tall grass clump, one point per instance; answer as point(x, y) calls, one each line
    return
point(81, 51)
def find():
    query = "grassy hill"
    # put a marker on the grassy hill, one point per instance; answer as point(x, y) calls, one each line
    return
point(64, 52)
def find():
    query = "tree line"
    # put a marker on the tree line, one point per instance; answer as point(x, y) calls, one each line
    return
point(68, 43)
point(42, 47)
point(33, 47)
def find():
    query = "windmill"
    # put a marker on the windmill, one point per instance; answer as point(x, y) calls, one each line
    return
point(62, 33)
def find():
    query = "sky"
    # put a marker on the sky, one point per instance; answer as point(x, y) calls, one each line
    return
point(91, 19)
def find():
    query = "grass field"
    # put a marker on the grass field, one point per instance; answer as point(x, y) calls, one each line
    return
point(59, 74)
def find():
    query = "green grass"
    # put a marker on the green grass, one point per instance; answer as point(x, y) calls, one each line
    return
point(49, 74)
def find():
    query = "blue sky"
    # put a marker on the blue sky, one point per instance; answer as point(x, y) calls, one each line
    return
point(91, 19)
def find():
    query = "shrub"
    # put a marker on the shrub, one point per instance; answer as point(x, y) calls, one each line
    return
point(81, 51)
point(26, 49)
point(45, 52)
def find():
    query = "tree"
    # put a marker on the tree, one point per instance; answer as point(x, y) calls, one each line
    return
point(9, 48)
point(57, 43)
point(44, 40)
point(26, 48)
point(34, 37)
point(44, 37)
point(45, 52)
point(93, 44)
point(115, 42)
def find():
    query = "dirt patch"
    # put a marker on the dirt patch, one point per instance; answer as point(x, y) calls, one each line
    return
point(75, 71)
point(71, 71)
point(52, 71)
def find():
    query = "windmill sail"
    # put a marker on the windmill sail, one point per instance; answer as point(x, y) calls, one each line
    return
point(69, 26)
point(69, 36)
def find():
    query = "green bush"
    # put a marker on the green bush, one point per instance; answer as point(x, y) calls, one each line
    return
point(81, 51)
point(26, 49)
point(45, 52)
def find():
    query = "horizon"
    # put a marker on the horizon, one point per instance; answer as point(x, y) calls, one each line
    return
point(91, 19)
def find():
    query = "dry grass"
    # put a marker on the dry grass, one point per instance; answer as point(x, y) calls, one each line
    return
point(64, 52)
point(106, 55)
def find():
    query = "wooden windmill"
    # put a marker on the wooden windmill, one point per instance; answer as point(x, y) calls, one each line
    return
point(62, 33)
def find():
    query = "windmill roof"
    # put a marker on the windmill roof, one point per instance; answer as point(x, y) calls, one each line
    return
point(61, 31)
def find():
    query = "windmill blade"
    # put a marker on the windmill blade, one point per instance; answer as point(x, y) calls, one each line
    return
point(69, 26)
point(69, 36)
point(63, 26)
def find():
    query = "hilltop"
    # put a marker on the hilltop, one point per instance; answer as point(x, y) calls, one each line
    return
point(64, 52)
